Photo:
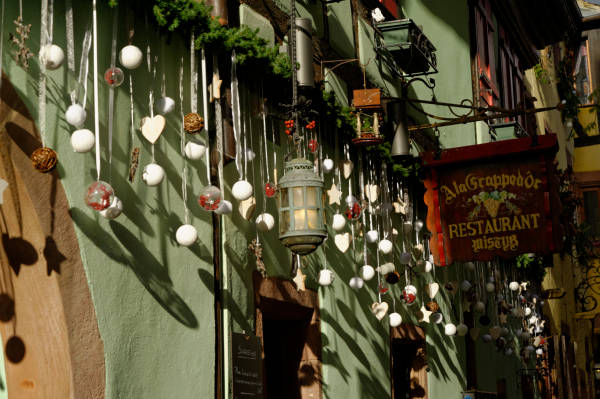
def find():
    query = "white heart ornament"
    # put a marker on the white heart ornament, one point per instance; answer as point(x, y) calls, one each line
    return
point(342, 242)
point(152, 128)
point(372, 192)
point(379, 309)
point(247, 207)
point(432, 289)
point(347, 167)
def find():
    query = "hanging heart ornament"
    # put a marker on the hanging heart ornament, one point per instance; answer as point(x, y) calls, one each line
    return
point(342, 241)
point(152, 128)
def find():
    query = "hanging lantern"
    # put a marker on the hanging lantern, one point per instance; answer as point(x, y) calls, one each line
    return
point(301, 226)
point(369, 116)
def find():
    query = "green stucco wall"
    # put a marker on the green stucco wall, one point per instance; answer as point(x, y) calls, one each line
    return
point(153, 299)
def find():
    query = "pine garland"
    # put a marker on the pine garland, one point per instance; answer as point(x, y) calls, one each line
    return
point(189, 16)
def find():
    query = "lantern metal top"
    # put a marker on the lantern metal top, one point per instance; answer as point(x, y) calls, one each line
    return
point(300, 172)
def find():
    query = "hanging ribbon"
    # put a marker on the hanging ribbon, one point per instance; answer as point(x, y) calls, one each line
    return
point(1, 45)
point(96, 113)
point(235, 100)
point(83, 69)
point(182, 148)
point(42, 83)
point(111, 90)
point(205, 109)
point(152, 73)
point(193, 76)
point(70, 36)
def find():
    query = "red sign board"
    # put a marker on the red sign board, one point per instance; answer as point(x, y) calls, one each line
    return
point(493, 200)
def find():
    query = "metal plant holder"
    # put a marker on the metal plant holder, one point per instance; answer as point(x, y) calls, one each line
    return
point(369, 116)
point(404, 48)
point(301, 220)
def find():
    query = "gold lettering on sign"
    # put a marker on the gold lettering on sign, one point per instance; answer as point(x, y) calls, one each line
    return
point(494, 225)
point(495, 181)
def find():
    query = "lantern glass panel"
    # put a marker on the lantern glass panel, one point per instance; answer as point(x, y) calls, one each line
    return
point(284, 223)
point(298, 193)
point(311, 196)
point(284, 198)
point(299, 219)
point(313, 219)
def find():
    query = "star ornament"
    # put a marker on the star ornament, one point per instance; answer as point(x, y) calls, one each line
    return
point(334, 195)
point(299, 280)
point(426, 313)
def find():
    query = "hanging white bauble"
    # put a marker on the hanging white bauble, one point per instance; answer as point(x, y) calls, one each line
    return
point(386, 268)
point(465, 285)
point(325, 277)
point(490, 287)
point(504, 331)
point(265, 222)
point(487, 338)
point(428, 266)
point(372, 236)
point(194, 150)
point(242, 190)
point(530, 348)
point(514, 286)
point(527, 311)
point(338, 222)
point(480, 307)
point(539, 351)
point(462, 329)
point(386, 246)
point(405, 258)
point(450, 329)
point(131, 57)
point(75, 115)
point(327, 165)
point(164, 105)
point(470, 266)
point(82, 140)
point(367, 272)
point(395, 319)
point(224, 208)
point(250, 155)
point(508, 351)
point(153, 174)
point(418, 226)
point(186, 235)
point(436, 318)
point(52, 56)
point(356, 283)
point(114, 209)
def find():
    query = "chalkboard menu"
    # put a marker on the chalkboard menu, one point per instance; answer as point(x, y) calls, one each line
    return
point(247, 367)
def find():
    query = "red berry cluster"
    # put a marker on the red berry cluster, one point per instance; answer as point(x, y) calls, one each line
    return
point(311, 125)
point(289, 126)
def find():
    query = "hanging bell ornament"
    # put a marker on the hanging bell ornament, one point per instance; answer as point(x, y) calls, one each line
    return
point(193, 123)
point(44, 159)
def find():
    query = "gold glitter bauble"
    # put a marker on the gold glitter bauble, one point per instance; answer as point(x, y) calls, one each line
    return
point(44, 159)
point(193, 123)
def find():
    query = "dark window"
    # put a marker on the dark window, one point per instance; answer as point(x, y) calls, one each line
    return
point(591, 211)
point(409, 363)
point(486, 54)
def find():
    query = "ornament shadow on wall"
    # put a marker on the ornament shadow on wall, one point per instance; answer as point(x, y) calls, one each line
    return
point(149, 271)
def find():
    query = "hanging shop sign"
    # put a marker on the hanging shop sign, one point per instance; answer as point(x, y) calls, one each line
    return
point(247, 367)
point(492, 200)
